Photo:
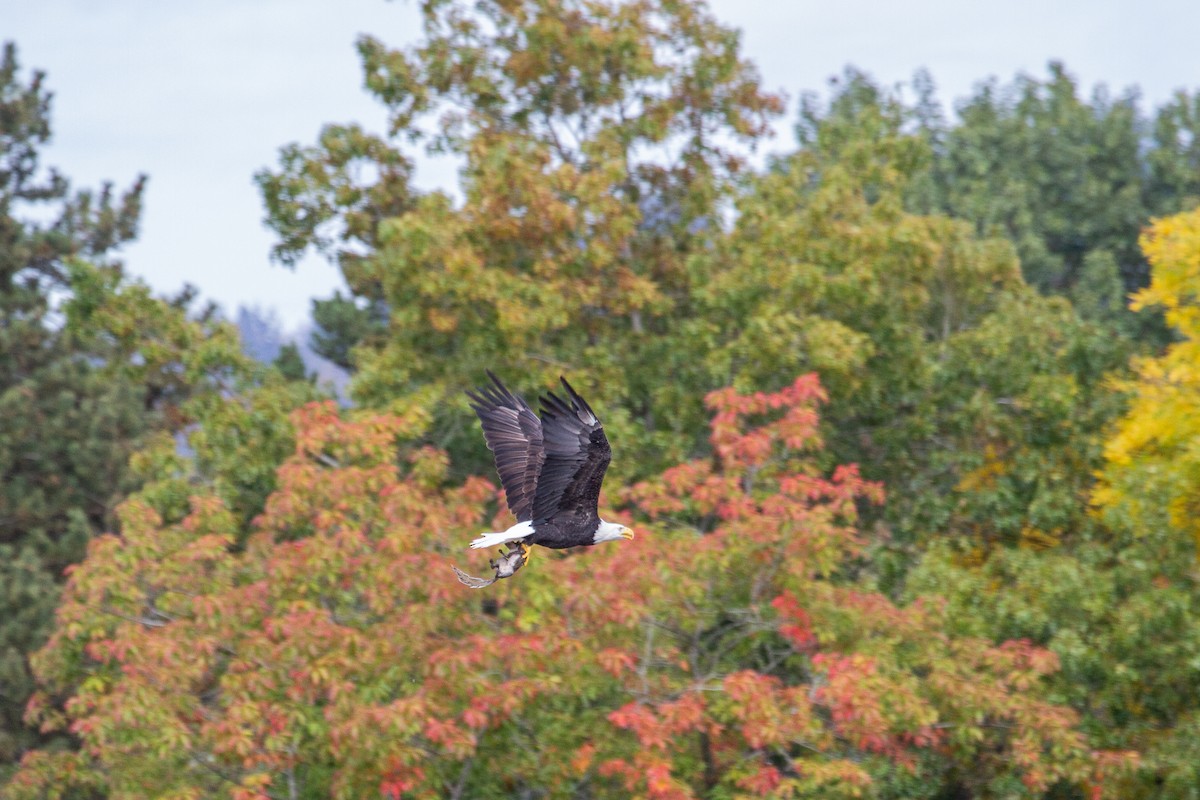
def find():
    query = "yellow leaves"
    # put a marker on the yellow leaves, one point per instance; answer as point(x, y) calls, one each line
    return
point(441, 320)
point(1035, 539)
point(1172, 246)
point(1154, 456)
point(984, 477)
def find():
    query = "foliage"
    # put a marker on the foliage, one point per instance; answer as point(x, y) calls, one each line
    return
point(1068, 179)
point(600, 142)
point(93, 368)
point(735, 662)
point(1148, 497)
point(273, 614)
point(1174, 159)
point(1155, 444)
point(825, 267)
point(1119, 605)
point(976, 400)
point(65, 431)
point(1058, 174)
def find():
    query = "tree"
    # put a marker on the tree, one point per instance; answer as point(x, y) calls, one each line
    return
point(64, 432)
point(1059, 175)
point(600, 144)
point(348, 662)
point(980, 402)
point(1069, 180)
point(1155, 441)
point(1174, 158)
point(291, 365)
point(1117, 605)
point(93, 368)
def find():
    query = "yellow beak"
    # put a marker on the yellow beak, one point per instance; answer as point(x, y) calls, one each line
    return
point(627, 534)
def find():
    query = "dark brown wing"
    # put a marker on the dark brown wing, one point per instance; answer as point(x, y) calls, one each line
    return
point(577, 455)
point(514, 435)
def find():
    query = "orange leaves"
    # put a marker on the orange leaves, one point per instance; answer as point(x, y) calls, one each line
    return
point(764, 492)
point(796, 429)
point(322, 431)
point(658, 727)
point(1021, 663)
point(400, 781)
point(798, 630)
point(649, 773)
point(769, 714)
point(336, 647)
point(454, 740)
point(854, 693)
point(645, 724)
point(762, 782)
point(615, 661)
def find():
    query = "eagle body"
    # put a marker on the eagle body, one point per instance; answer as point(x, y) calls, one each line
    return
point(551, 466)
point(565, 530)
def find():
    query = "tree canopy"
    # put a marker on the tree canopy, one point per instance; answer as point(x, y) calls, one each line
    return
point(93, 368)
point(915, 483)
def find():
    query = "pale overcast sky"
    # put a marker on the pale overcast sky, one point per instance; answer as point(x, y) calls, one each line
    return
point(201, 95)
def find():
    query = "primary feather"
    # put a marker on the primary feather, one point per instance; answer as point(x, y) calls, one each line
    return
point(577, 455)
point(551, 466)
point(514, 434)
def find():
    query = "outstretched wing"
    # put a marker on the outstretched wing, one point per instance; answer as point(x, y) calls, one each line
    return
point(514, 435)
point(577, 455)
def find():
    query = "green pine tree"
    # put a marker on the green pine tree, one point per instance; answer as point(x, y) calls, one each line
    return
point(65, 431)
point(94, 368)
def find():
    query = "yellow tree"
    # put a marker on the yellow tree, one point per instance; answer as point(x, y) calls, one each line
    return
point(1119, 604)
point(1155, 456)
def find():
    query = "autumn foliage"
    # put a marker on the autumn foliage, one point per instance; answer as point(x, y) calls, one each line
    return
point(955, 558)
point(728, 649)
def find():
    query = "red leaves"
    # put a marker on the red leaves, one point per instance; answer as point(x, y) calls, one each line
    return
point(683, 715)
point(400, 781)
point(454, 740)
point(661, 786)
point(854, 702)
point(796, 429)
point(338, 638)
point(769, 714)
point(798, 630)
point(648, 771)
point(645, 724)
point(762, 782)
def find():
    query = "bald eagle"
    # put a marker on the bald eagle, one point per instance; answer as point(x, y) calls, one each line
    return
point(551, 469)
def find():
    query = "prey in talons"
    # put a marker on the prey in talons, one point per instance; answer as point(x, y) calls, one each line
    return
point(505, 567)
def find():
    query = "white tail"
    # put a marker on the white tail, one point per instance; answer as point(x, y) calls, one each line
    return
point(514, 534)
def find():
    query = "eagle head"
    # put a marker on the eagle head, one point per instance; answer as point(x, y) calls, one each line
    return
point(610, 532)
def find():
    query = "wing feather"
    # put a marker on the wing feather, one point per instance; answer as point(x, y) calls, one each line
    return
point(514, 435)
point(577, 455)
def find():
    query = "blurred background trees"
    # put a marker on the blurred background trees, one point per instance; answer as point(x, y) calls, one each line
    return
point(92, 368)
point(970, 574)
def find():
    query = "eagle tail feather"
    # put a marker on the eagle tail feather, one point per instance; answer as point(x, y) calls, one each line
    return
point(514, 534)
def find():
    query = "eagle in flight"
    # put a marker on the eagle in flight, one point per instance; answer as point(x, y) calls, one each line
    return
point(551, 468)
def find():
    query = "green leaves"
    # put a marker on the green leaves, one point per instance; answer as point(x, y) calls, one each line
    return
point(599, 143)
point(273, 612)
point(348, 661)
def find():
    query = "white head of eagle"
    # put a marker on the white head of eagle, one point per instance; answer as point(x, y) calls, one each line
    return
point(551, 466)
point(610, 532)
